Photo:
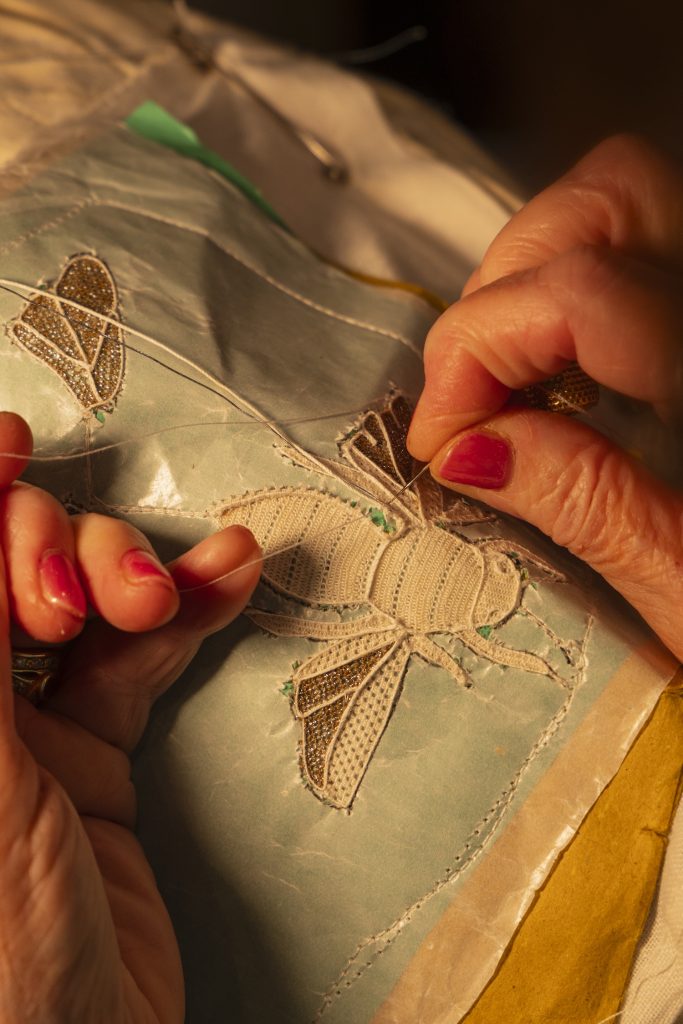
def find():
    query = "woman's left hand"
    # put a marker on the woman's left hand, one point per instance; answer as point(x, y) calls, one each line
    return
point(84, 935)
point(591, 271)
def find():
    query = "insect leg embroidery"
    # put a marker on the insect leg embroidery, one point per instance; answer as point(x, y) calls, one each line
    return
point(404, 564)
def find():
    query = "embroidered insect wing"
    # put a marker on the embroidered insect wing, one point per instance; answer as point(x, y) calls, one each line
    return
point(415, 578)
point(84, 350)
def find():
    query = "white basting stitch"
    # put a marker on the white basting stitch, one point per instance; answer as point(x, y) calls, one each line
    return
point(268, 278)
point(422, 579)
point(500, 807)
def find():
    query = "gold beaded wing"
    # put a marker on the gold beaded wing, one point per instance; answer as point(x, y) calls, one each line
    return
point(344, 697)
point(398, 573)
point(84, 350)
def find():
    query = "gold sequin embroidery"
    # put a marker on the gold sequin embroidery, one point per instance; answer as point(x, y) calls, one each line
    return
point(85, 351)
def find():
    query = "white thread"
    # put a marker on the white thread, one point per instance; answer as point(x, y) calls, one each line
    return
point(381, 940)
point(269, 279)
point(292, 547)
point(139, 438)
point(258, 418)
point(231, 396)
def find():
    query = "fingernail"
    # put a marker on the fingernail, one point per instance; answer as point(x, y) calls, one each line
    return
point(479, 460)
point(140, 566)
point(59, 584)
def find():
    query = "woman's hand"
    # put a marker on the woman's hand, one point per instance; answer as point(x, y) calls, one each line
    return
point(84, 935)
point(591, 271)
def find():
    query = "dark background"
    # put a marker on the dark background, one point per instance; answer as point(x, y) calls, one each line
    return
point(538, 83)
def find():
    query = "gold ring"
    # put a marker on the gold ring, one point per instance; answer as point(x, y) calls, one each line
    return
point(33, 672)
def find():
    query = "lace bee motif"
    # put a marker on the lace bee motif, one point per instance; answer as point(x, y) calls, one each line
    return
point(404, 563)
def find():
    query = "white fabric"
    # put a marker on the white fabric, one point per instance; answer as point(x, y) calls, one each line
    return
point(405, 213)
point(402, 214)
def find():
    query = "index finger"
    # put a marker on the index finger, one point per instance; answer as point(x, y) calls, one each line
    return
point(624, 194)
point(110, 680)
point(618, 318)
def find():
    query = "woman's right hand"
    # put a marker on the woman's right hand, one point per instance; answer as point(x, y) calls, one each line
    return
point(591, 271)
point(84, 935)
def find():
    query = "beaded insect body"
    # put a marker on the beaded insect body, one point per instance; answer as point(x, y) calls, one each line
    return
point(404, 563)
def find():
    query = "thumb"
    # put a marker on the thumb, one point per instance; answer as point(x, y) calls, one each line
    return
point(587, 495)
point(110, 679)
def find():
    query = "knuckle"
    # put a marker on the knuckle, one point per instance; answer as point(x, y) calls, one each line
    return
point(588, 509)
point(87, 524)
point(640, 190)
point(623, 149)
point(447, 332)
point(624, 193)
point(518, 248)
point(584, 271)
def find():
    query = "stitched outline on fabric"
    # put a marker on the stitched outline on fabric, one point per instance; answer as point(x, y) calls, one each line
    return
point(48, 224)
point(441, 883)
point(343, 982)
point(267, 278)
point(191, 229)
point(421, 578)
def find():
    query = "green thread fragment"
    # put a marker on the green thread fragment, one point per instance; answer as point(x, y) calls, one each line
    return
point(523, 571)
point(287, 688)
point(379, 519)
point(99, 415)
point(484, 631)
point(156, 124)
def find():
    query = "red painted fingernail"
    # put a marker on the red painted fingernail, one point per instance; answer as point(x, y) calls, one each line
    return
point(140, 566)
point(59, 584)
point(479, 460)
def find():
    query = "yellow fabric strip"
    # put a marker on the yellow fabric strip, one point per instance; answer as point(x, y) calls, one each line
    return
point(570, 961)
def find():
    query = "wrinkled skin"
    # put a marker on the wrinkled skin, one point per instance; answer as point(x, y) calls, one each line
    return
point(84, 935)
point(590, 270)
